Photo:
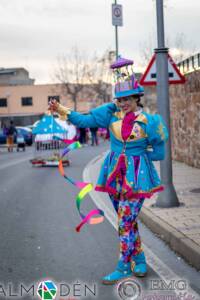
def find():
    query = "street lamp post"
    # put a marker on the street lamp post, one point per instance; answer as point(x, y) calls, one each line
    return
point(168, 197)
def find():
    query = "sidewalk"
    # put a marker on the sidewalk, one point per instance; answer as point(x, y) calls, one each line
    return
point(178, 227)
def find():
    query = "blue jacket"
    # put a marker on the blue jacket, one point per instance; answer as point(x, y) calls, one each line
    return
point(146, 143)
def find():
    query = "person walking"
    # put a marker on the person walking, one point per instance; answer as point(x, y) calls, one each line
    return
point(11, 132)
point(94, 136)
point(82, 135)
point(127, 173)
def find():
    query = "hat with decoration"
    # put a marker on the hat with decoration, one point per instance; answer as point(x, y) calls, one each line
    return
point(124, 78)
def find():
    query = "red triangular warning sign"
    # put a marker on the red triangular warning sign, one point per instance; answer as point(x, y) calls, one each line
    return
point(150, 76)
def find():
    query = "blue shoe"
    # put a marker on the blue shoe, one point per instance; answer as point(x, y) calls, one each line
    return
point(140, 267)
point(122, 270)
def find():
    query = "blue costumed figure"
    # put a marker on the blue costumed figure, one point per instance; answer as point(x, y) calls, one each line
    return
point(127, 174)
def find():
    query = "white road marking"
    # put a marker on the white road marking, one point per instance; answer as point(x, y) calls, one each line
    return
point(163, 271)
point(14, 162)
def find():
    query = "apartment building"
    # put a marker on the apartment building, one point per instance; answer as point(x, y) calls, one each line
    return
point(15, 76)
point(25, 102)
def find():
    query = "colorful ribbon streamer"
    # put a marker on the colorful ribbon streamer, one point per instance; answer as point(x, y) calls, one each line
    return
point(66, 141)
point(85, 189)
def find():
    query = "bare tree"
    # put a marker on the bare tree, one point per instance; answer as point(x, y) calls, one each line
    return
point(100, 74)
point(72, 73)
point(179, 47)
point(147, 50)
point(77, 74)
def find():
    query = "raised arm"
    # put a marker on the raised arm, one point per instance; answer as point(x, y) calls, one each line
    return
point(98, 117)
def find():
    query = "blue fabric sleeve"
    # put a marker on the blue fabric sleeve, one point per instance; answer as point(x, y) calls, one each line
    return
point(157, 136)
point(98, 117)
point(82, 121)
point(158, 152)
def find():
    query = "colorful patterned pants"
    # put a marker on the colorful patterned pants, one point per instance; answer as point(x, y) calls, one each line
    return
point(130, 242)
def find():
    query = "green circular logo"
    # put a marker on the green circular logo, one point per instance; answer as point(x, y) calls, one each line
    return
point(47, 290)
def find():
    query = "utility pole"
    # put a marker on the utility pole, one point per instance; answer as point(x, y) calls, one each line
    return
point(168, 198)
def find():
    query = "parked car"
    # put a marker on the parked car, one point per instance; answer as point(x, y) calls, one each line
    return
point(2, 137)
point(21, 131)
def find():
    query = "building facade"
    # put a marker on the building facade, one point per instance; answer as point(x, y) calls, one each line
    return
point(15, 76)
point(25, 104)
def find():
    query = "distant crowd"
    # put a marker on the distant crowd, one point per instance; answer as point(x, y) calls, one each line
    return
point(84, 135)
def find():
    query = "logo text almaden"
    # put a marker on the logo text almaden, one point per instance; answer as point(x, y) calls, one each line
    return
point(64, 289)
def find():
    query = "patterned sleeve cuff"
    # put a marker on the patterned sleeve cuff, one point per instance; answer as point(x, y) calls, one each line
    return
point(63, 112)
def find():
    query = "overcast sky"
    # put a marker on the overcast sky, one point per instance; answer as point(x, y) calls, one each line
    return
point(33, 33)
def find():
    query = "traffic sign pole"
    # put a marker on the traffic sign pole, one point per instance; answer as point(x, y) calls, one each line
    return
point(116, 21)
point(116, 39)
point(168, 198)
point(116, 42)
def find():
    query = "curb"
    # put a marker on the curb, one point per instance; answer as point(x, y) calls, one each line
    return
point(179, 242)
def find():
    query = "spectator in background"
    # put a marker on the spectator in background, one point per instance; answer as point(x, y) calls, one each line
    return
point(94, 136)
point(102, 133)
point(5, 129)
point(82, 136)
point(107, 137)
point(10, 136)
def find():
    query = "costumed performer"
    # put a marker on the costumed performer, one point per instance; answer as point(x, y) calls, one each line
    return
point(127, 174)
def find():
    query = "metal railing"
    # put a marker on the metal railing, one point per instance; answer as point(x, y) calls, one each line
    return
point(190, 64)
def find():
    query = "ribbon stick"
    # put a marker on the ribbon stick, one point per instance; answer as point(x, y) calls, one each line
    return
point(84, 187)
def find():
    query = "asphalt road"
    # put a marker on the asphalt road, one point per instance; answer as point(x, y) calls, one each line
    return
point(38, 217)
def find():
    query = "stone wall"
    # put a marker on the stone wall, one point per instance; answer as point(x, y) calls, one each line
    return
point(185, 118)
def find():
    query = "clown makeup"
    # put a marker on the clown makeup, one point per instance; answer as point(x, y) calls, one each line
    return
point(127, 104)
